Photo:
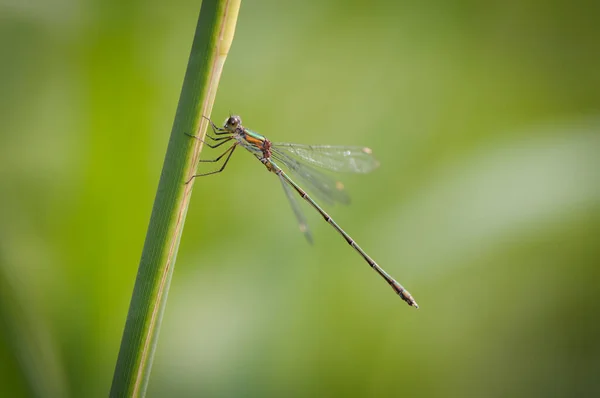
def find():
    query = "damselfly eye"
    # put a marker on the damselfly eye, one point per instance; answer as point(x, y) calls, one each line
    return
point(233, 121)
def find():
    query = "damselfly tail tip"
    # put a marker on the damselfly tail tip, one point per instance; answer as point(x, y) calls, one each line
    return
point(405, 295)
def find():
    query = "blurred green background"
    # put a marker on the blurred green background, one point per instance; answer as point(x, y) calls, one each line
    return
point(485, 117)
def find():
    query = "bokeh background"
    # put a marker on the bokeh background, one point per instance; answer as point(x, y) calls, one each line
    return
point(485, 117)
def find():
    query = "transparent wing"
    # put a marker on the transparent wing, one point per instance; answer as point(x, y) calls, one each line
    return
point(302, 224)
point(350, 159)
point(323, 186)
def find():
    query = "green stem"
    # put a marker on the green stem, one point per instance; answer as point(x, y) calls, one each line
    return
point(212, 40)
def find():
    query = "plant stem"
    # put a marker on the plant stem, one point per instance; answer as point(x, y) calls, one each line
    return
point(212, 40)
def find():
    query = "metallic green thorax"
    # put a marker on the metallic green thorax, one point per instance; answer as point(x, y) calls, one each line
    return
point(254, 135)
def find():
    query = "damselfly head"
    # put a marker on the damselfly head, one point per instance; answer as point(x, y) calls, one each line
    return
point(232, 122)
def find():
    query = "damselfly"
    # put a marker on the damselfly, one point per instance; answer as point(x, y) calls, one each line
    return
point(301, 161)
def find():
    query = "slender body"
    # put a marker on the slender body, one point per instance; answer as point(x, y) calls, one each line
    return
point(300, 159)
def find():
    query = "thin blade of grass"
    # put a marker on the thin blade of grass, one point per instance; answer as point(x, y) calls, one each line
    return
point(212, 40)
